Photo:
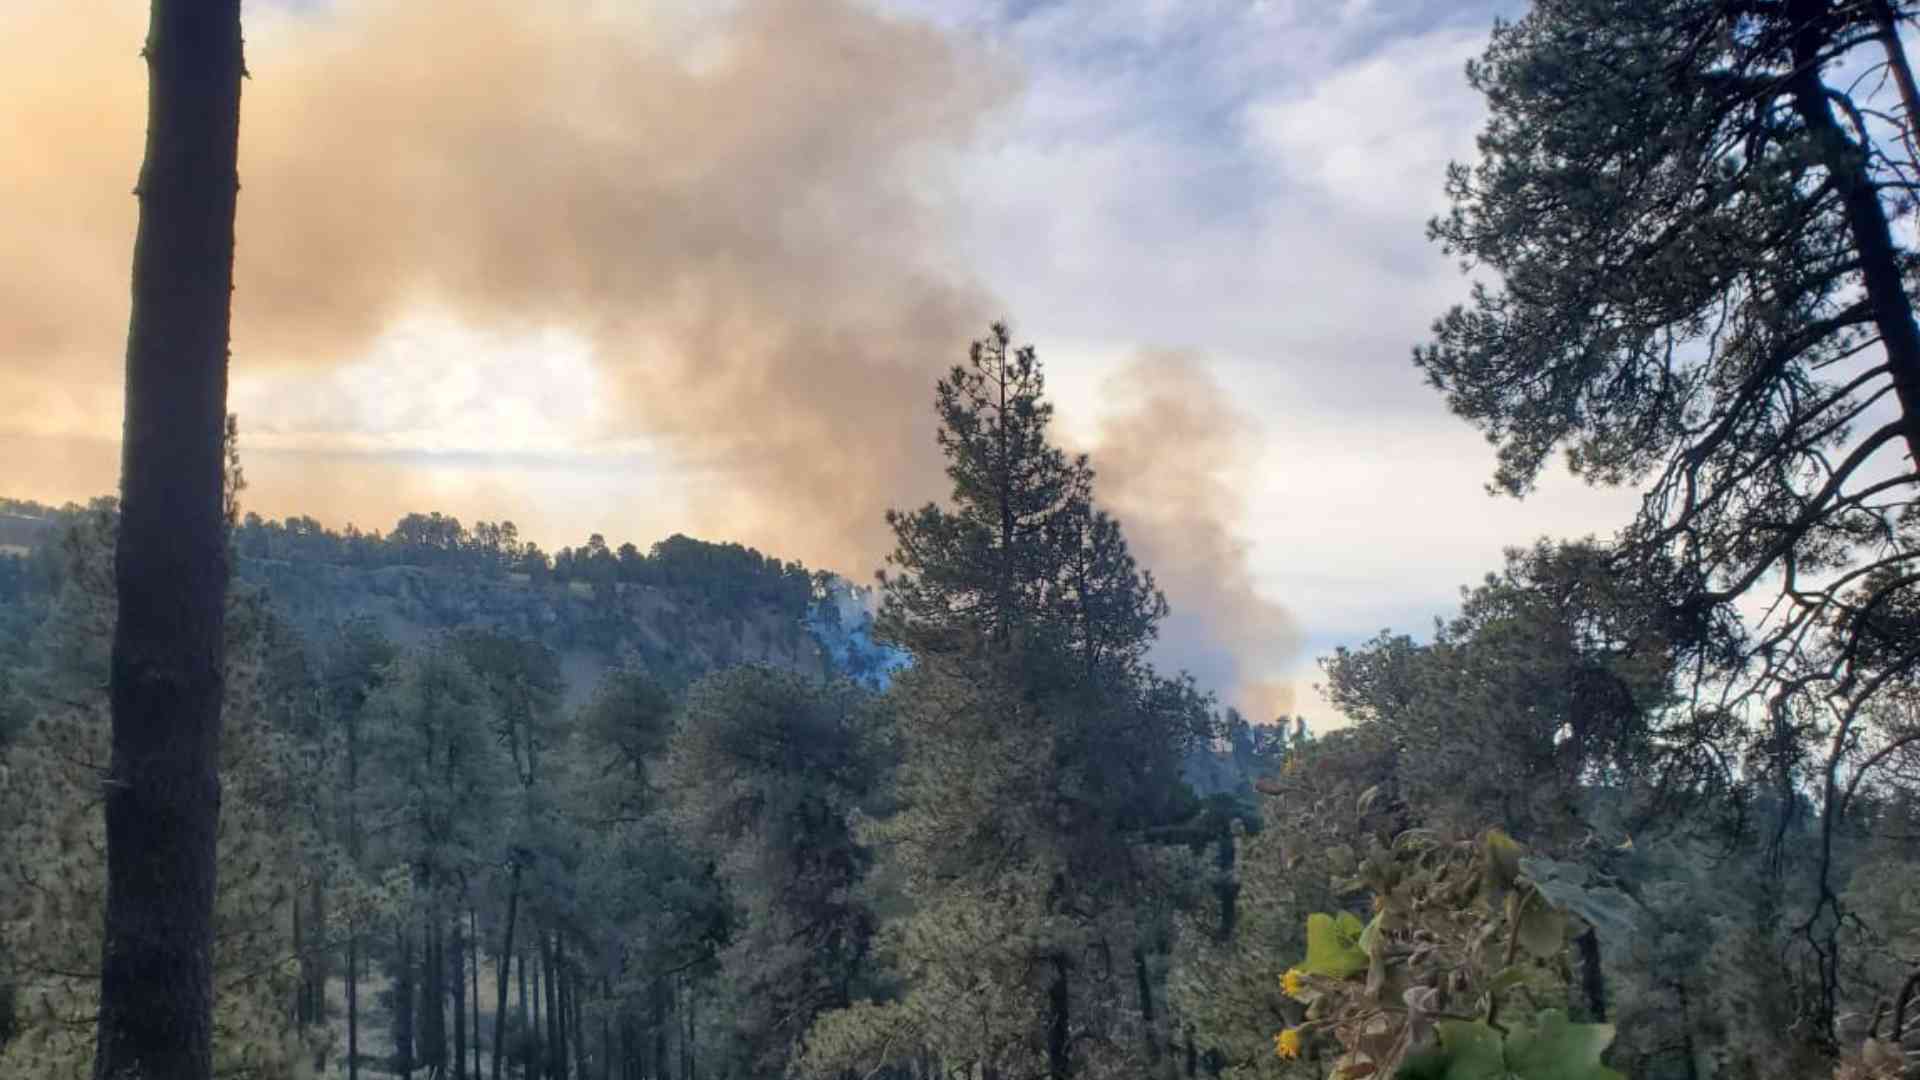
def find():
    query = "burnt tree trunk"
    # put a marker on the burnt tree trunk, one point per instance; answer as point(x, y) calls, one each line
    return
point(162, 793)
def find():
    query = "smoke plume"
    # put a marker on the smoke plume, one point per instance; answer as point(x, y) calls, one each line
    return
point(735, 206)
point(1171, 457)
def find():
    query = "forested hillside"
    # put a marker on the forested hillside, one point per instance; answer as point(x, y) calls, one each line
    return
point(281, 802)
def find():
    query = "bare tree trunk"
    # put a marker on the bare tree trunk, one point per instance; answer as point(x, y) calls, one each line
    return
point(1143, 980)
point(550, 963)
point(1059, 1059)
point(606, 1031)
point(300, 997)
point(526, 1026)
point(433, 999)
point(457, 972)
point(580, 1055)
point(162, 792)
point(473, 940)
point(506, 964)
point(537, 966)
point(353, 1002)
point(660, 1018)
point(403, 1005)
point(317, 930)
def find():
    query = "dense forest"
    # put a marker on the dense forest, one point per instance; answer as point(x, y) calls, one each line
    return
point(437, 803)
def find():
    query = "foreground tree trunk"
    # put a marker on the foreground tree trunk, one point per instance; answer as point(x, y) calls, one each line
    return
point(403, 1002)
point(473, 940)
point(503, 975)
point(353, 1003)
point(1059, 1048)
point(556, 1058)
point(458, 974)
point(162, 794)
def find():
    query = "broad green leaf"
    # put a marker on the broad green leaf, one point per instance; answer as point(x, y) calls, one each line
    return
point(1542, 928)
point(1473, 1051)
point(1559, 1050)
point(1332, 946)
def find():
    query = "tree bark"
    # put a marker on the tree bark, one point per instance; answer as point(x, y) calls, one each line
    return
point(556, 1061)
point(580, 1053)
point(403, 1005)
point(659, 1028)
point(537, 965)
point(162, 797)
point(353, 1003)
point(457, 973)
point(506, 963)
point(1059, 1056)
point(1143, 980)
point(473, 941)
point(433, 998)
point(526, 1026)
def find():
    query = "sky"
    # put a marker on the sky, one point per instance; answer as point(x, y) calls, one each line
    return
point(637, 267)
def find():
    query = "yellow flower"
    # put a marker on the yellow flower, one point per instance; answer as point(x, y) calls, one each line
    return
point(1287, 1043)
point(1293, 982)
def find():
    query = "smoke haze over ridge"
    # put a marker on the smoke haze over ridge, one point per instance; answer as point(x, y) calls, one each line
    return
point(738, 216)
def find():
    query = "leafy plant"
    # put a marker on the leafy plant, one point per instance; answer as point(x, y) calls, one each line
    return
point(1449, 979)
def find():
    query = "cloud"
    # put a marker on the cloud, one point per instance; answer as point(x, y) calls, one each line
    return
point(1374, 137)
point(1174, 458)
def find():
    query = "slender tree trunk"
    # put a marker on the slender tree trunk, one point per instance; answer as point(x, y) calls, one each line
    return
point(433, 999)
point(301, 999)
point(659, 1029)
point(1059, 1055)
point(403, 991)
point(457, 972)
point(317, 930)
point(353, 1002)
point(606, 1030)
point(581, 1057)
point(526, 1026)
point(504, 973)
point(473, 940)
point(162, 791)
point(686, 1028)
point(1143, 980)
point(550, 963)
point(537, 963)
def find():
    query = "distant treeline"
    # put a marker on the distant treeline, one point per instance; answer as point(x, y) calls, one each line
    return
point(729, 575)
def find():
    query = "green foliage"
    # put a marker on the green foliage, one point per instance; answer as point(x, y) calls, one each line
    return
point(1554, 1049)
point(1712, 298)
point(1333, 945)
point(1023, 549)
point(52, 868)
